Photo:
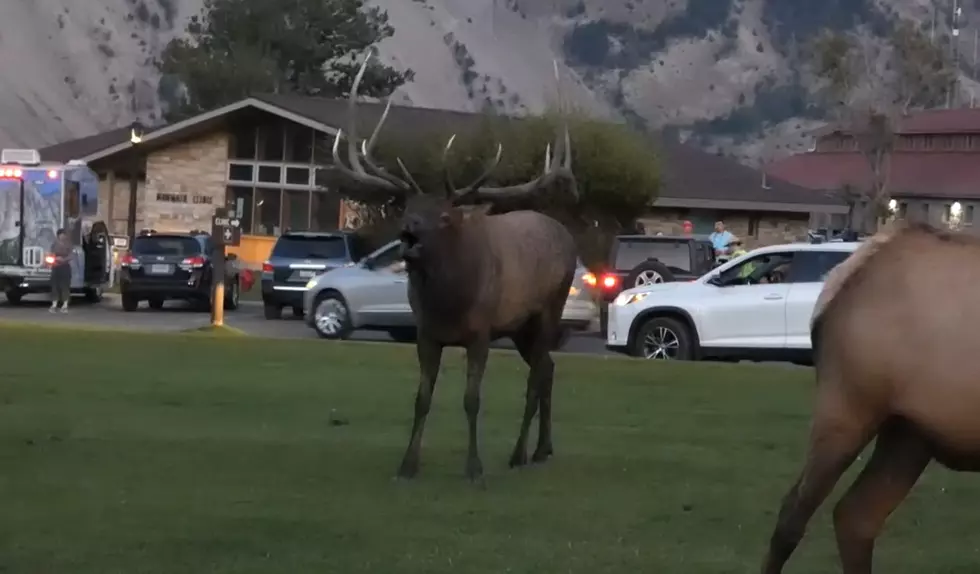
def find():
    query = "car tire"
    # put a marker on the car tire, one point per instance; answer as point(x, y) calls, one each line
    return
point(129, 303)
point(232, 295)
point(334, 321)
point(156, 304)
point(663, 338)
point(93, 294)
point(403, 335)
point(272, 311)
point(14, 296)
point(649, 272)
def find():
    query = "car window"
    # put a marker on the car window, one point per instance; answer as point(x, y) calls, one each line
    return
point(674, 254)
point(172, 245)
point(387, 256)
point(760, 269)
point(813, 266)
point(359, 247)
point(310, 247)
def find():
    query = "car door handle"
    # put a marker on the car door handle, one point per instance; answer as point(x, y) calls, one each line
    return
point(773, 297)
point(401, 280)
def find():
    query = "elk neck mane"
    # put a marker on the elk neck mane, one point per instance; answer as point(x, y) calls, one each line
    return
point(842, 276)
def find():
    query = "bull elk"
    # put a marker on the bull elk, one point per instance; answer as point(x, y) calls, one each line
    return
point(474, 277)
point(897, 361)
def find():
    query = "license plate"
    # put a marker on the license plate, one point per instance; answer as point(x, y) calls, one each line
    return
point(306, 274)
point(160, 269)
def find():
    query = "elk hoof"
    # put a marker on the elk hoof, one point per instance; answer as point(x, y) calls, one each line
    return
point(518, 459)
point(474, 470)
point(542, 454)
point(408, 469)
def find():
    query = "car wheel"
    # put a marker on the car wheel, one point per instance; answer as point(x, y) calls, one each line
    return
point(331, 316)
point(129, 303)
point(14, 296)
point(93, 294)
point(272, 311)
point(232, 296)
point(664, 339)
point(156, 304)
point(405, 335)
point(649, 272)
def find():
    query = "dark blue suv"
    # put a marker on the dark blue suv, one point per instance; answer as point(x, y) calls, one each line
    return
point(297, 257)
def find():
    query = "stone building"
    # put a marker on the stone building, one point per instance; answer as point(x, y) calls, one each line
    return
point(260, 155)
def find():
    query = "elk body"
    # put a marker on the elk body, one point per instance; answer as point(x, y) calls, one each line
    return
point(897, 360)
point(475, 277)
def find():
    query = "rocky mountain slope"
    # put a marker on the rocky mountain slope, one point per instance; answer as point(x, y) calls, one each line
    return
point(720, 71)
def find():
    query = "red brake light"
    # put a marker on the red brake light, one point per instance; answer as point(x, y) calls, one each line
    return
point(266, 267)
point(609, 281)
point(14, 172)
point(196, 262)
point(127, 259)
point(589, 279)
point(49, 260)
point(52, 174)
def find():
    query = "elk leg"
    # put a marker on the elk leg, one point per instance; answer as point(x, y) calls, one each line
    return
point(430, 357)
point(546, 378)
point(476, 363)
point(525, 341)
point(837, 437)
point(900, 456)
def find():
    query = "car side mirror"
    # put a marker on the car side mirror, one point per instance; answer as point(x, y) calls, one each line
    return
point(368, 263)
point(716, 281)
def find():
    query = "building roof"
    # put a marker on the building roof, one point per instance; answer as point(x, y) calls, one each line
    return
point(693, 178)
point(947, 174)
point(941, 121)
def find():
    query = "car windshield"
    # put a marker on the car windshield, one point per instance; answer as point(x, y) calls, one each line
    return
point(173, 245)
point(310, 247)
point(674, 254)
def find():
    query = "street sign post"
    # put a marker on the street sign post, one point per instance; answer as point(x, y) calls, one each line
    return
point(226, 229)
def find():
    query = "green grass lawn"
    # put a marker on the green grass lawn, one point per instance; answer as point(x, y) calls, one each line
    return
point(127, 453)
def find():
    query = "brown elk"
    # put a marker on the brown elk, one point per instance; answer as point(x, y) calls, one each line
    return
point(474, 277)
point(897, 361)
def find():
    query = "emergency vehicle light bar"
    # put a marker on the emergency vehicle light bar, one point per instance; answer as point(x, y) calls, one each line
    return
point(21, 156)
point(7, 172)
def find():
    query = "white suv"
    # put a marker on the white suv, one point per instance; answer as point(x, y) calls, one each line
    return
point(754, 307)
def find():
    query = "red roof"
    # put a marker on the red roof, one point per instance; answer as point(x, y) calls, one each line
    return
point(951, 121)
point(925, 174)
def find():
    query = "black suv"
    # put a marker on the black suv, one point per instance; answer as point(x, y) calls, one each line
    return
point(297, 257)
point(162, 266)
point(636, 260)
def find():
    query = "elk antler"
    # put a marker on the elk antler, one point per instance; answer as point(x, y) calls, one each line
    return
point(380, 181)
point(555, 167)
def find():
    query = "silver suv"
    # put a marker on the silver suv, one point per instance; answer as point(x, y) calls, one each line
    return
point(373, 295)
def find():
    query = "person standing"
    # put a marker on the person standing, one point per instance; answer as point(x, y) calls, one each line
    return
point(721, 238)
point(62, 251)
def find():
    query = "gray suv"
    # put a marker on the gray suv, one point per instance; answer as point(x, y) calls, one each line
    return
point(299, 256)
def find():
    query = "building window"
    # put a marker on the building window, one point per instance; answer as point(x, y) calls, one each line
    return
point(242, 144)
point(298, 176)
point(324, 211)
point(927, 142)
point(296, 210)
point(903, 208)
point(299, 144)
point(947, 212)
point(241, 172)
point(924, 210)
point(968, 215)
point(322, 149)
point(240, 199)
point(270, 174)
point(271, 142)
point(267, 211)
point(753, 226)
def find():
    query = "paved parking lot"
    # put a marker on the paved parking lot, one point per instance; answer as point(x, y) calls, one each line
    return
point(177, 316)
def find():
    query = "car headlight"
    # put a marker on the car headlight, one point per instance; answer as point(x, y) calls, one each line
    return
point(629, 298)
point(311, 283)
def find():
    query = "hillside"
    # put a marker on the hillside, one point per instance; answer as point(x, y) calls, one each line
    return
point(723, 72)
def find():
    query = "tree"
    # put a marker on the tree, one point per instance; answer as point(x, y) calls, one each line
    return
point(306, 47)
point(615, 166)
point(868, 85)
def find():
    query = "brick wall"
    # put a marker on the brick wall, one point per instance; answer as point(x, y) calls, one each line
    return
point(109, 185)
point(194, 173)
point(771, 228)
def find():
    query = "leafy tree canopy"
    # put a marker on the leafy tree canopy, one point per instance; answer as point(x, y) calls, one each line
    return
point(305, 47)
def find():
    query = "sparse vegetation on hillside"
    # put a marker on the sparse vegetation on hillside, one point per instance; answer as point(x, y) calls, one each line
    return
point(237, 47)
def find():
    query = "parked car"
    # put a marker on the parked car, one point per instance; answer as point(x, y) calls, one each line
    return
point(755, 307)
point(296, 257)
point(162, 266)
point(373, 295)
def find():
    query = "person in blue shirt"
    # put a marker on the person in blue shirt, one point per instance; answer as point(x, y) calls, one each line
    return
point(721, 238)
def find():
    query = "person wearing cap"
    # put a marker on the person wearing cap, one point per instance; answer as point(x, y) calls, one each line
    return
point(720, 238)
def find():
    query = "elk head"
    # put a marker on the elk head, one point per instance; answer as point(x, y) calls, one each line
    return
point(431, 219)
